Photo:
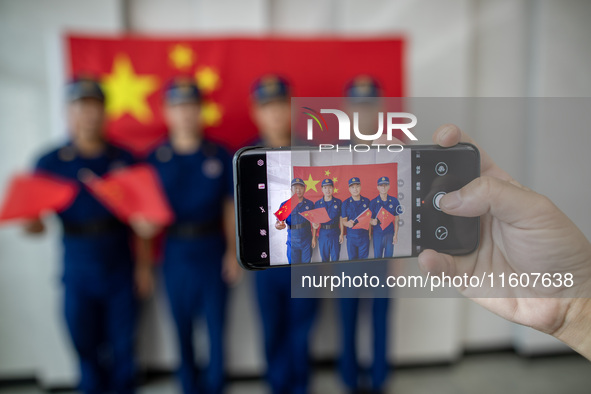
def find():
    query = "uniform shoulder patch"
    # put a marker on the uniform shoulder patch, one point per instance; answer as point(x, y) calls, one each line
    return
point(67, 153)
point(164, 154)
point(212, 167)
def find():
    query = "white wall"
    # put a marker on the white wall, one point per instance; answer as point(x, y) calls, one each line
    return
point(457, 48)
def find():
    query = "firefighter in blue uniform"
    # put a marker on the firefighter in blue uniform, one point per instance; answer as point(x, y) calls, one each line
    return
point(199, 250)
point(357, 238)
point(331, 233)
point(98, 273)
point(363, 92)
point(299, 231)
point(384, 240)
point(286, 321)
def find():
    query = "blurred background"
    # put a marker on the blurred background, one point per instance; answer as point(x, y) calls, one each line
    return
point(454, 48)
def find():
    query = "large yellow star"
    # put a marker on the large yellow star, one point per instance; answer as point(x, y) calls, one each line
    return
point(127, 92)
point(207, 79)
point(327, 172)
point(335, 191)
point(311, 184)
point(181, 56)
point(211, 113)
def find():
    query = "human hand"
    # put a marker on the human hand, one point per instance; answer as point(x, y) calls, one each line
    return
point(313, 242)
point(315, 225)
point(280, 225)
point(373, 222)
point(34, 227)
point(231, 272)
point(349, 223)
point(143, 227)
point(395, 239)
point(144, 281)
point(521, 232)
point(341, 238)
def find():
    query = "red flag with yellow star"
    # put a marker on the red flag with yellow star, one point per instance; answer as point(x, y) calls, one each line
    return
point(28, 196)
point(134, 190)
point(368, 174)
point(285, 210)
point(318, 215)
point(134, 70)
point(385, 218)
point(363, 220)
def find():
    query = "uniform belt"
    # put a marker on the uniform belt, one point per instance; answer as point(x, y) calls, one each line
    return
point(195, 229)
point(298, 226)
point(329, 226)
point(94, 227)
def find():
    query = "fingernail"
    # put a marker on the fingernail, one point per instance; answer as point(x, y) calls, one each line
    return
point(443, 133)
point(450, 201)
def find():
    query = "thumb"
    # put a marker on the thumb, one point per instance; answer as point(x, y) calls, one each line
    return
point(504, 200)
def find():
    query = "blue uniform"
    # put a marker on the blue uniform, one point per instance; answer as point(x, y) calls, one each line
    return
point(329, 232)
point(299, 233)
point(286, 326)
point(287, 321)
point(382, 239)
point(100, 306)
point(196, 185)
point(357, 239)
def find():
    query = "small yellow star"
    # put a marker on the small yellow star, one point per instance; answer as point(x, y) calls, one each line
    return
point(336, 191)
point(181, 56)
point(335, 179)
point(311, 184)
point(211, 113)
point(207, 79)
point(128, 92)
point(327, 172)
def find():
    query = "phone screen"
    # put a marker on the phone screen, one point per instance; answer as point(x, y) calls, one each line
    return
point(309, 206)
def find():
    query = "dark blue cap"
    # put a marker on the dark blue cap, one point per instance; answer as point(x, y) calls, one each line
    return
point(82, 87)
point(270, 87)
point(363, 89)
point(297, 181)
point(354, 180)
point(182, 90)
point(327, 182)
point(384, 181)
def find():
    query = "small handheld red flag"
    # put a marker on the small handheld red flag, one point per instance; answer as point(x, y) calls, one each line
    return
point(29, 195)
point(385, 218)
point(133, 191)
point(286, 208)
point(318, 215)
point(363, 220)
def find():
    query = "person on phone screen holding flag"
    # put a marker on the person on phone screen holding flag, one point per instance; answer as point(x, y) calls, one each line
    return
point(331, 233)
point(353, 215)
point(384, 219)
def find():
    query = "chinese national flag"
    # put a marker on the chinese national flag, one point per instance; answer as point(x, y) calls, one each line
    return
point(368, 174)
point(285, 210)
point(134, 70)
point(385, 218)
point(131, 191)
point(363, 220)
point(318, 215)
point(29, 195)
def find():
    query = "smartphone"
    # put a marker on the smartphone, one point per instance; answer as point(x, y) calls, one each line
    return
point(280, 194)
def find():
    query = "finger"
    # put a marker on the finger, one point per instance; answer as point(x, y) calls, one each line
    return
point(503, 200)
point(450, 135)
point(436, 263)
